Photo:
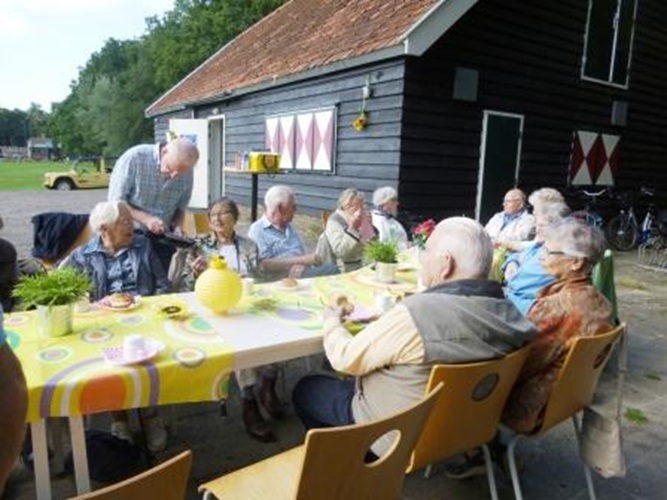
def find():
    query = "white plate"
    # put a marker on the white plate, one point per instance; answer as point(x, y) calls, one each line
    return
point(114, 355)
point(133, 305)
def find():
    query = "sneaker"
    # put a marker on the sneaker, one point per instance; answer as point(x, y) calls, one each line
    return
point(121, 430)
point(156, 434)
point(473, 466)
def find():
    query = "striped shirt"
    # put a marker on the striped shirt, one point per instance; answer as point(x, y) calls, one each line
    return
point(136, 179)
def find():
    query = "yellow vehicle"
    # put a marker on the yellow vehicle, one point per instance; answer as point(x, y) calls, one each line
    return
point(85, 173)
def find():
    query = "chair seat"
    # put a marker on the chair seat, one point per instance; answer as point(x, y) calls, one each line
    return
point(273, 478)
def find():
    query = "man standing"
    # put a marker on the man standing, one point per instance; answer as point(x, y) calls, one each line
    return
point(281, 249)
point(14, 404)
point(514, 223)
point(156, 182)
point(461, 317)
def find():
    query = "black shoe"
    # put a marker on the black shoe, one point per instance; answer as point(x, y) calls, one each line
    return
point(472, 466)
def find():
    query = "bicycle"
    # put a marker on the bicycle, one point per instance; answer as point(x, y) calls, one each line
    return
point(589, 214)
point(624, 231)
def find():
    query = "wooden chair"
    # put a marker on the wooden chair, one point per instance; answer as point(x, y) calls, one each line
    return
point(467, 413)
point(573, 391)
point(331, 464)
point(195, 223)
point(166, 481)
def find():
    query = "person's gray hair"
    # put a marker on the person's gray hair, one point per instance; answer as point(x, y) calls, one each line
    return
point(578, 239)
point(105, 213)
point(348, 196)
point(551, 213)
point(276, 196)
point(469, 245)
point(545, 196)
point(384, 195)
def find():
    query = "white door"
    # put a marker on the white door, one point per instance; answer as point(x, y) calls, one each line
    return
point(197, 132)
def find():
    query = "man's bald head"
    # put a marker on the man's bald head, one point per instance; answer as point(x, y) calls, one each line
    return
point(178, 157)
point(458, 248)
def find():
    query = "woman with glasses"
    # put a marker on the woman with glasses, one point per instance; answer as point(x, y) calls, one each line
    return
point(568, 308)
point(241, 255)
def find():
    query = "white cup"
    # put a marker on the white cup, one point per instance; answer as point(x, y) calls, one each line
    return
point(134, 346)
point(248, 284)
point(383, 301)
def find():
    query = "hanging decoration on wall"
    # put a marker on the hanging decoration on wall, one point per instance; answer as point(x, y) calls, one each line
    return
point(361, 121)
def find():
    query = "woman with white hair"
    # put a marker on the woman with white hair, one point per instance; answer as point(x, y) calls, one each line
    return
point(347, 231)
point(385, 202)
point(524, 271)
point(119, 261)
point(569, 308)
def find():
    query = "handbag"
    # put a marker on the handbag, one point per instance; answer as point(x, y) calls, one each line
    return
point(601, 442)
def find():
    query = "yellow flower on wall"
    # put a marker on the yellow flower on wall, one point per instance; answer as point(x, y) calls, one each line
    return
point(360, 122)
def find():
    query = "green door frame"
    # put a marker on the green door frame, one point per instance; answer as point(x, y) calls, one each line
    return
point(482, 204)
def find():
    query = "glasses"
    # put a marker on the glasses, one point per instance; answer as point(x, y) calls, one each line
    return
point(548, 253)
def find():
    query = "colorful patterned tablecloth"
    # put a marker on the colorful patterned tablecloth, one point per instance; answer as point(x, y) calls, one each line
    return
point(69, 376)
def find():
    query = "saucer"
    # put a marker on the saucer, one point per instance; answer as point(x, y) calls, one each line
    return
point(115, 356)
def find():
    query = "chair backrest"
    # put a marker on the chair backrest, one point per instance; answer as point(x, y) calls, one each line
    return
point(468, 411)
point(334, 465)
point(166, 481)
point(195, 223)
point(603, 280)
point(575, 387)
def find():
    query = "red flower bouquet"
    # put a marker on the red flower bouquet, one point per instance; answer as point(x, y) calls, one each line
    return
point(421, 232)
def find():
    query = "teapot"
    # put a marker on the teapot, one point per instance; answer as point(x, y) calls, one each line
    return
point(219, 288)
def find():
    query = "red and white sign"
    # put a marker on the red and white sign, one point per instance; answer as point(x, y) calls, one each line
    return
point(595, 159)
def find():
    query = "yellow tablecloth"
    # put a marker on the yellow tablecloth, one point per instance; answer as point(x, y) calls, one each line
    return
point(70, 376)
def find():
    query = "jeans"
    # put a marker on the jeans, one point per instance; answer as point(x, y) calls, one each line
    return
point(323, 401)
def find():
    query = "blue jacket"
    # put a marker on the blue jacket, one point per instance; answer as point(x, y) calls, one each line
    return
point(150, 277)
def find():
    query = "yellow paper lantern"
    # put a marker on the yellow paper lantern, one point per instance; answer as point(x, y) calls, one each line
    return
point(218, 288)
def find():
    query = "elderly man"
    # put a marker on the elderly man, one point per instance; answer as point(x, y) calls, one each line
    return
point(514, 223)
point(461, 317)
point(156, 182)
point(281, 249)
point(120, 261)
point(14, 404)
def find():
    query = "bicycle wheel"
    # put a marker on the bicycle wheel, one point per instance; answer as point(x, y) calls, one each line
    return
point(622, 233)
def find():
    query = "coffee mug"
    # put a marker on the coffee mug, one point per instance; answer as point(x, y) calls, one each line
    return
point(134, 346)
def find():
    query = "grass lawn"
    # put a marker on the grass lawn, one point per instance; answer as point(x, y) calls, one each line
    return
point(27, 175)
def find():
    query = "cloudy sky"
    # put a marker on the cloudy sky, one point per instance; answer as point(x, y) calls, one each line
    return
point(43, 43)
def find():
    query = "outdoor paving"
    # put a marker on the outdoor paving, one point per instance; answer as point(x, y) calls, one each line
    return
point(551, 468)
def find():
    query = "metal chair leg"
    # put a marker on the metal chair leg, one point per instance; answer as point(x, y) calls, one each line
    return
point(587, 470)
point(489, 472)
point(512, 463)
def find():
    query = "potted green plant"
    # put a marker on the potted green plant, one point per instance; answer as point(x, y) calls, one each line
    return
point(385, 256)
point(53, 294)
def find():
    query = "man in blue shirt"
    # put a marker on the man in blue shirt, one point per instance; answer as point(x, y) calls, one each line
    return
point(281, 249)
point(156, 181)
point(14, 405)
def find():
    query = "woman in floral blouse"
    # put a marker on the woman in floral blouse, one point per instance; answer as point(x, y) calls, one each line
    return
point(240, 253)
point(569, 308)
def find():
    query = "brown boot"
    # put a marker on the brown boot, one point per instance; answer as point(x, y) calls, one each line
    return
point(269, 398)
point(255, 425)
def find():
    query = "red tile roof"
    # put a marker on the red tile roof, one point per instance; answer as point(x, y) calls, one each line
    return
point(299, 36)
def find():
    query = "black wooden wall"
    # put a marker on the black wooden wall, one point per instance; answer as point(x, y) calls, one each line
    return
point(528, 55)
point(365, 160)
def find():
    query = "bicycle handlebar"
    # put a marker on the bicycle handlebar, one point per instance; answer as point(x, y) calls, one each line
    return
point(594, 194)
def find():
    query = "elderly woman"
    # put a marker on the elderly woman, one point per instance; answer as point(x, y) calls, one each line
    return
point(241, 255)
point(239, 252)
point(117, 260)
point(524, 271)
point(569, 308)
point(385, 202)
point(348, 229)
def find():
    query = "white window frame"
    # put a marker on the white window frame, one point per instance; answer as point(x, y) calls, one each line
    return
point(334, 139)
point(609, 81)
